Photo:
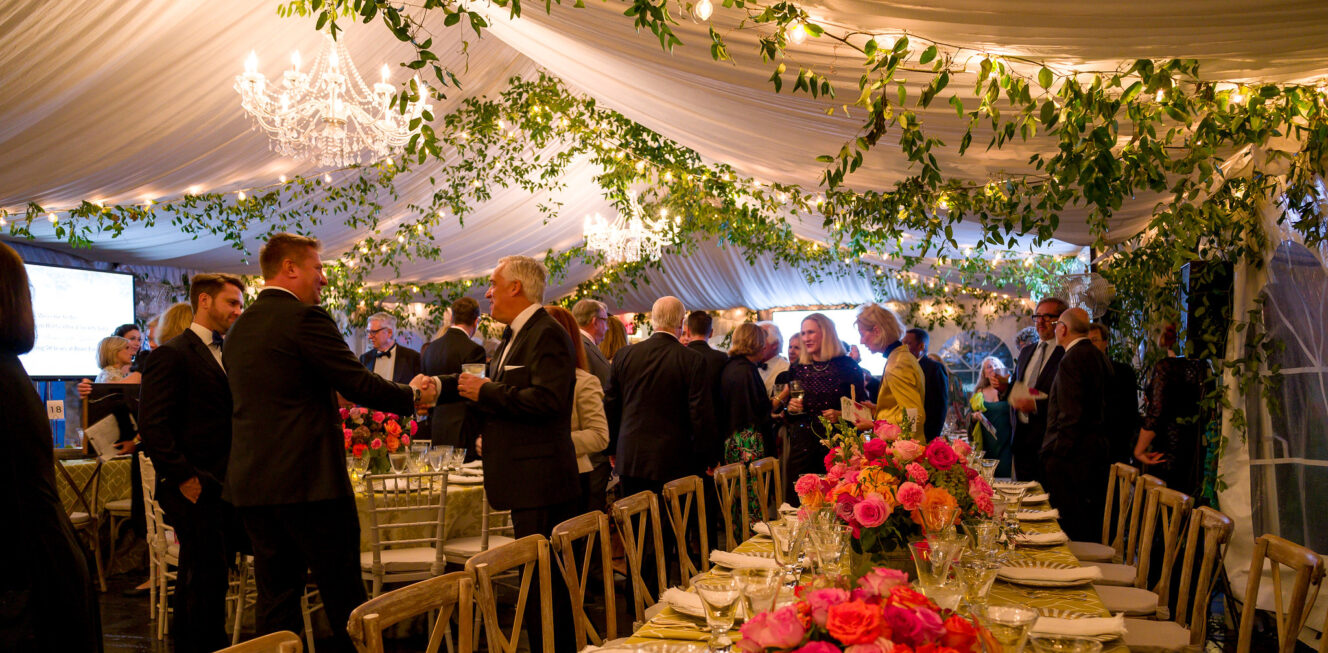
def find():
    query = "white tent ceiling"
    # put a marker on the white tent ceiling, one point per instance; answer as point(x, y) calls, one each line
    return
point(126, 100)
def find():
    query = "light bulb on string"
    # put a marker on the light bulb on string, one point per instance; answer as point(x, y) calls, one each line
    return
point(797, 32)
point(52, 217)
point(703, 9)
point(282, 179)
point(240, 196)
point(3, 222)
point(327, 178)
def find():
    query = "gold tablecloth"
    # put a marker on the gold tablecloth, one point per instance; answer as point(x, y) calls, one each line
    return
point(1081, 598)
point(462, 515)
point(114, 481)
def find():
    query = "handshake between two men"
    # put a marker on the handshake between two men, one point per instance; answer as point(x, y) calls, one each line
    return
point(468, 386)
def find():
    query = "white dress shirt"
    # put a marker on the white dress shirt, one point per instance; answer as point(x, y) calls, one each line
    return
point(772, 369)
point(285, 290)
point(205, 334)
point(517, 323)
point(385, 364)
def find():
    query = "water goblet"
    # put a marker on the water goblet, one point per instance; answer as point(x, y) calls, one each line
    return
point(946, 547)
point(788, 548)
point(924, 561)
point(719, 595)
point(439, 456)
point(1009, 625)
point(938, 518)
point(982, 533)
point(458, 457)
point(976, 573)
point(760, 587)
point(399, 461)
point(828, 545)
point(1064, 644)
point(988, 469)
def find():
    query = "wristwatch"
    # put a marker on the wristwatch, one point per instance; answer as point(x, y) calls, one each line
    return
point(417, 394)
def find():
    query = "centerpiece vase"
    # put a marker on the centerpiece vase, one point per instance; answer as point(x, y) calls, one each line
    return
point(898, 559)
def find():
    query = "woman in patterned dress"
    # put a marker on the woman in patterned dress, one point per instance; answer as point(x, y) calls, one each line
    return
point(744, 408)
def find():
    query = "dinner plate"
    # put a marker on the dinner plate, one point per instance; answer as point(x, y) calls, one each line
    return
point(1034, 582)
point(1056, 613)
point(1033, 515)
point(465, 479)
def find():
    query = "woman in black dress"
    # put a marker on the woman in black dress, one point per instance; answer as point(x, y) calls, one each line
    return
point(744, 407)
point(47, 602)
point(825, 373)
point(1170, 444)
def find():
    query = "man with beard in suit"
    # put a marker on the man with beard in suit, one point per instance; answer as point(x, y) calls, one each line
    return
point(450, 421)
point(388, 359)
point(185, 423)
point(286, 361)
point(1036, 367)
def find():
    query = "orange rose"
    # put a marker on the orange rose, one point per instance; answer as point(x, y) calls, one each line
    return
point(960, 634)
point(937, 496)
point(854, 622)
point(393, 443)
point(392, 428)
point(906, 597)
point(875, 479)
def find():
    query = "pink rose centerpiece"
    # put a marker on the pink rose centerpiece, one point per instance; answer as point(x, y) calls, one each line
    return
point(376, 436)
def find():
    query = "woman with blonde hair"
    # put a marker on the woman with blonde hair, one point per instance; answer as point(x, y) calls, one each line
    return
point(902, 383)
point(174, 321)
point(114, 356)
point(995, 428)
point(615, 338)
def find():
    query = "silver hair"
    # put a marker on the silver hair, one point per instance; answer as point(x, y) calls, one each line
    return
point(771, 331)
point(529, 272)
point(387, 320)
point(586, 310)
point(666, 314)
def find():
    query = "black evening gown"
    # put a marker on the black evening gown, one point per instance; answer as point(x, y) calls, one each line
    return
point(47, 600)
point(1172, 413)
point(823, 385)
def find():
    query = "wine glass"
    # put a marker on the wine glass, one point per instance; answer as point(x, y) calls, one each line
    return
point(1064, 644)
point(399, 461)
point(458, 457)
point(719, 595)
point(936, 519)
point(1009, 625)
point(440, 456)
point(360, 464)
point(788, 547)
point(795, 392)
point(983, 533)
point(760, 586)
point(988, 469)
point(976, 573)
point(828, 543)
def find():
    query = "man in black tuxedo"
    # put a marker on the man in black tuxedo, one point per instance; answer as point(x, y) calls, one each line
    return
point(1076, 455)
point(387, 359)
point(593, 319)
point(1036, 367)
point(185, 423)
point(1122, 399)
point(286, 361)
point(936, 381)
point(525, 408)
point(451, 422)
point(696, 332)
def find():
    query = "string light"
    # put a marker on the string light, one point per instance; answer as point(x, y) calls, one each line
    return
point(282, 179)
point(327, 178)
point(3, 222)
point(240, 195)
point(192, 190)
point(797, 32)
point(52, 217)
point(703, 9)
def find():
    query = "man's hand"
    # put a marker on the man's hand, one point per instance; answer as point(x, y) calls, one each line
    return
point(468, 386)
point(1027, 405)
point(479, 446)
point(84, 388)
point(428, 391)
point(191, 489)
point(125, 447)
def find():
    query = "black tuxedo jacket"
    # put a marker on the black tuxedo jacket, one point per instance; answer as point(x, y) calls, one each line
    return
point(661, 410)
point(450, 422)
point(1123, 406)
point(935, 398)
point(526, 418)
point(715, 360)
point(405, 365)
point(184, 414)
point(1030, 435)
point(285, 361)
point(1076, 410)
point(599, 365)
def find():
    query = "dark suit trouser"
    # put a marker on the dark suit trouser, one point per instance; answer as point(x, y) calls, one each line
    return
point(294, 539)
point(206, 534)
point(595, 484)
point(1025, 448)
point(533, 521)
point(1077, 488)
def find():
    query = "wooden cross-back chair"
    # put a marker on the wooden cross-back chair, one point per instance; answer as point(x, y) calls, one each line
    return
point(768, 482)
point(580, 537)
point(1210, 530)
point(637, 518)
point(283, 641)
point(528, 557)
point(1166, 509)
point(1125, 572)
point(86, 517)
point(406, 517)
point(1289, 614)
point(445, 594)
point(1120, 482)
point(731, 488)
point(680, 497)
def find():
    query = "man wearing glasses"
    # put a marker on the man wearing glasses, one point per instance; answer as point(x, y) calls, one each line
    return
point(388, 359)
point(1036, 367)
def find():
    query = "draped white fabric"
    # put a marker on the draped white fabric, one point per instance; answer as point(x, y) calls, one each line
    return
point(126, 100)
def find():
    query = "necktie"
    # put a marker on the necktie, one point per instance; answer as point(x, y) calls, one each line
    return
point(1035, 365)
point(381, 354)
point(217, 339)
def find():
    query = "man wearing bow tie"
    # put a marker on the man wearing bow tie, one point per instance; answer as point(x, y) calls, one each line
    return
point(525, 411)
point(185, 421)
point(388, 359)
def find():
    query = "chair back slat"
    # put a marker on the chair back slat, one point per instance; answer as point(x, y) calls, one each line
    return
point(767, 480)
point(1290, 613)
point(1195, 593)
point(529, 556)
point(1130, 554)
point(1122, 477)
point(283, 641)
point(586, 534)
point(406, 510)
point(637, 518)
point(731, 488)
point(1167, 509)
point(684, 497)
point(445, 595)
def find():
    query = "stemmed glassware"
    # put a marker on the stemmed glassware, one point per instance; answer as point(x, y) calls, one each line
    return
point(828, 543)
point(1008, 624)
point(987, 467)
point(439, 457)
point(760, 586)
point(976, 572)
point(788, 547)
point(719, 595)
point(458, 458)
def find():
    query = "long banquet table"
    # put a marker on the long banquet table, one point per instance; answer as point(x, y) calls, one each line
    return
point(663, 627)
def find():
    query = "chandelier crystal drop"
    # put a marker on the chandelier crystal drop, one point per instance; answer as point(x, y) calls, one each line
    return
point(626, 240)
point(328, 115)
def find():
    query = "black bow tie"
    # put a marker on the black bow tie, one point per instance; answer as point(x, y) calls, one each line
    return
point(375, 354)
point(217, 339)
point(762, 366)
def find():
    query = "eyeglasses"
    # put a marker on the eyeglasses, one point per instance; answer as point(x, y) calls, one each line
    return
point(1045, 316)
point(374, 332)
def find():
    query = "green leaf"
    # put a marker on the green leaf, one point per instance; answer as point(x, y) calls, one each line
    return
point(958, 104)
point(1045, 77)
point(870, 48)
point(928, 55)
point(1048, 113)
point(1131, 92)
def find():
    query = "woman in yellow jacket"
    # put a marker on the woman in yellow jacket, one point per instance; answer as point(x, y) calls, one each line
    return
point(902, 383)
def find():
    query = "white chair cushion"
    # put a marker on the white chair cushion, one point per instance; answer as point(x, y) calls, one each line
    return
point(1114, 574)
point(79, 518)
point(1091, 551)
point(120, 506)
point(1133, 601)
point(1147, 636)
point(469, 546)
point(416, 558)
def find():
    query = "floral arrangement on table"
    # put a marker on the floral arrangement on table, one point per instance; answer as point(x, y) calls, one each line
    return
point(881, 614)
point(882, 486)
point(376, 435)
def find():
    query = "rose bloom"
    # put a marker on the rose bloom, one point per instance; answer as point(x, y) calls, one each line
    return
point(937, 496)
point(872, 511)
point(359, 410)
point(836, 471)
point(807, 485)
point(393, 443)
point(874, 449)
point(931, 623)
point(960, 634)
point(818, 647)
point(392, 428)
point(907, 451)
point(343, 412)
point(880, 581)
point(358, 450)
point(876, 479)
point(962, 448)
point(935, 648)
point(820, 601)
point(348, 433)
point(881, 645)
point(854, 622)
point(984, 505)
point(379, 416)
point(910, 495)
point(377, 443)
point(414, 426)
point(831, 457)
point(977, 487)
point(907, 597)
point(844, 506)
point(916, 473)
point(904, 625)
point(405, 440)
point(886, 431)
point(940, 455)
point(780, 629)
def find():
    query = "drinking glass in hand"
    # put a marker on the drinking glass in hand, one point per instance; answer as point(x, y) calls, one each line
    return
point(719, 595)
point(473, 369)
point(795, 395)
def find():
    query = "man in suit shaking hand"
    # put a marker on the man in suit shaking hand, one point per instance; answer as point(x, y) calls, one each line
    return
point(388, 359)
point(525, 408)
point(286, 361)
point(185, 422)
point(451, 422)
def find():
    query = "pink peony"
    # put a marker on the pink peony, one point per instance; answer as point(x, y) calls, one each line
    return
point(872, 511)
point(780, 629)
point(916, 473)
point(414, 426)
point(405, 440)
point(875, 449)
point(844, 507)
point(962, 448)
point(344, 413)
point(940, 455)
point(910, 495)
point(377, 443)
point(907, 450)
point(879, 581)
point(820, 601)
point(807, 485)
point(886, 431)
point(379, 416)
point(818, 647)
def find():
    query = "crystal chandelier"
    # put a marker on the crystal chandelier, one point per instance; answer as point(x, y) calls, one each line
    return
point(327, 115)
point(626, 240)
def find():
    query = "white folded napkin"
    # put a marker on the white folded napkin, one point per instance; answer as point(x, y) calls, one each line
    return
point(1074, 574)
point(1037, 515)
point(742, 561)
point(1036, 498)
point(786, 509)
point(1059, 537)
point(682, 601)
point(474, 464)
point(465, 478)
point(761, 528)
point(1023, 484)
point(1085, 627)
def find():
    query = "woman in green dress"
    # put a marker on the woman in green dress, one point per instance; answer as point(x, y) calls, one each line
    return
point(992, 413)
